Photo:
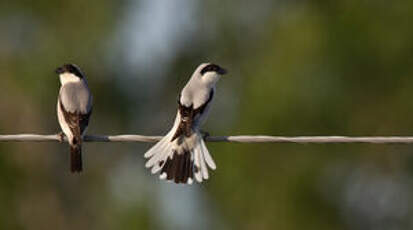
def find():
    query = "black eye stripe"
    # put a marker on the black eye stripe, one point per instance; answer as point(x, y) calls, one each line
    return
point(73, 69)
point(210, 68)
point(70, 68)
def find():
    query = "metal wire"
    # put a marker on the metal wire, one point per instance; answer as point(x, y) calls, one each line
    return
point(240, 139)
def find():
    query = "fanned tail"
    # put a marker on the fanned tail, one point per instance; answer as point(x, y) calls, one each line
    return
point(180, 160)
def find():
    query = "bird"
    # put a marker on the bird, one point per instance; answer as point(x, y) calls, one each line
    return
point(182, 154)
point(74, 107)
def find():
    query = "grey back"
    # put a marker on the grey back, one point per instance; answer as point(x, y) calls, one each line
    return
point(76, 97)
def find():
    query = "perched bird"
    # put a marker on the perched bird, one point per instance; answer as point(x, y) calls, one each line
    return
point(182, 154)
point(74, 106)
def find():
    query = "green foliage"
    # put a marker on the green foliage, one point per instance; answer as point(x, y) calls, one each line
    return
point(296, 68)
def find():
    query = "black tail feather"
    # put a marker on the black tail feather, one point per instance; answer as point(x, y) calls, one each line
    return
point(76, 158)
point(179, 168)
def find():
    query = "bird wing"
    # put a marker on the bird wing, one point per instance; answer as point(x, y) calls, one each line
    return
point(76, 120)
point(188, 115)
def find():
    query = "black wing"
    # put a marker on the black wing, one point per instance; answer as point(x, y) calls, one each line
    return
point(76, 121)
point(188, 115)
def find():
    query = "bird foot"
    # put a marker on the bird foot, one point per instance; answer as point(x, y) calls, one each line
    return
point(61, 137)
point(204, 134)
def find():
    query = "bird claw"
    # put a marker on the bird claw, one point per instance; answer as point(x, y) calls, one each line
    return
point(61, 137)
point(205, 134)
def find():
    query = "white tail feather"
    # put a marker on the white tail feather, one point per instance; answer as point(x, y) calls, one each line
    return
point(162, 176)
point(154, 149)
point(164, 152)
point(197, 162)
point(156, 168)
point(207, 156)
point(204, 168)
point(158, 152)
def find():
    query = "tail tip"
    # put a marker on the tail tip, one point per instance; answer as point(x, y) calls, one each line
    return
point(162, 176)
point(74, 171)
point(76, 166)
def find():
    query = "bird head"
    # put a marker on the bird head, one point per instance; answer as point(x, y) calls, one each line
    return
point(69, 73)
point(209, 73)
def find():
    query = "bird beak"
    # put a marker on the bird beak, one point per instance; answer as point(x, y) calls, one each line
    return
point(59, 70)
point(222, 71)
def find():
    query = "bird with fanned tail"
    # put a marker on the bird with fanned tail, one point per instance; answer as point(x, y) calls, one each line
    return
point(181, 155)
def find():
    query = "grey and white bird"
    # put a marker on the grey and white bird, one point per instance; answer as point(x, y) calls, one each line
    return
point(182, 154)
point(74, 107)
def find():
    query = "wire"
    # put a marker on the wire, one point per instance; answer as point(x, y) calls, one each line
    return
point(240, 139)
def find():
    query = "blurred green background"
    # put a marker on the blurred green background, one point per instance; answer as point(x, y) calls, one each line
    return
point(296, 68)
